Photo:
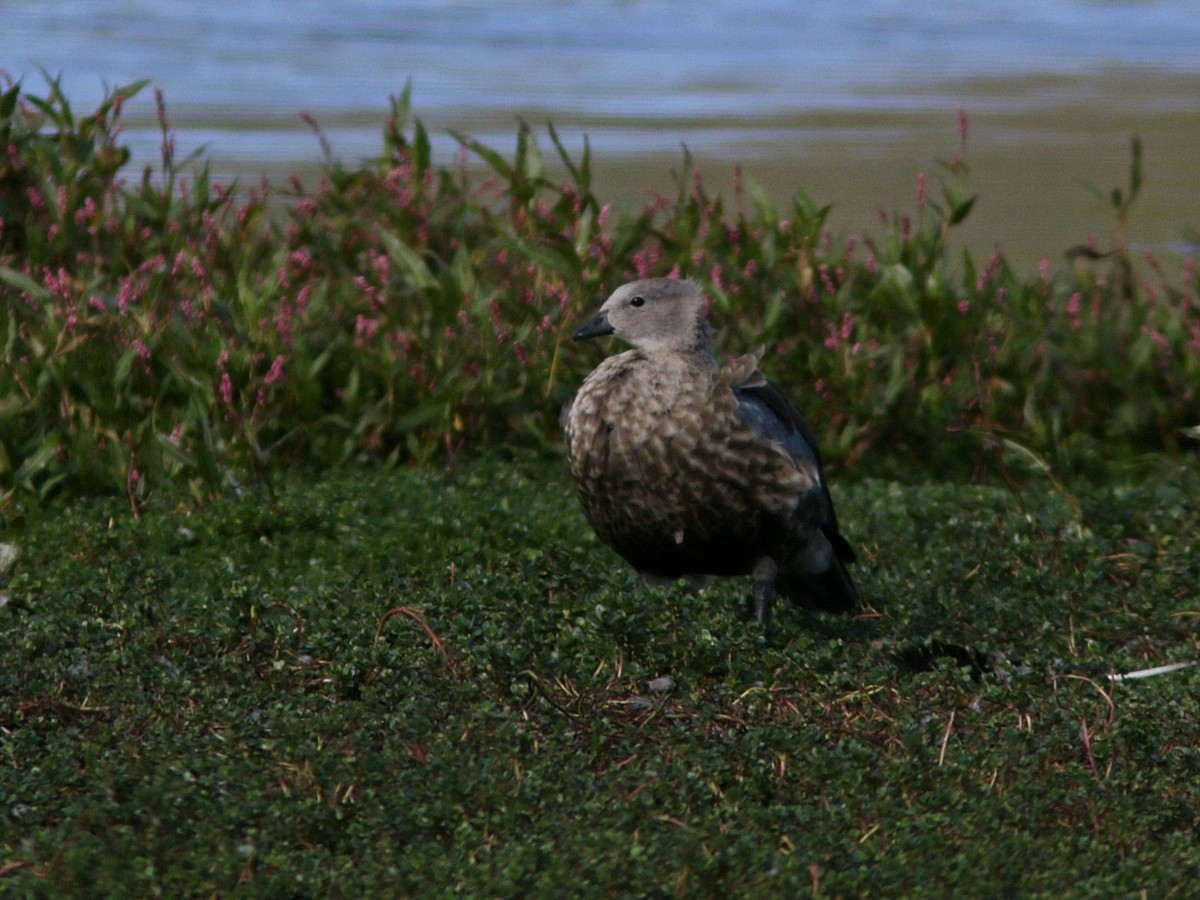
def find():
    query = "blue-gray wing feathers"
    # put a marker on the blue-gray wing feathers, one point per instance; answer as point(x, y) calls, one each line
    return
point(767, 409)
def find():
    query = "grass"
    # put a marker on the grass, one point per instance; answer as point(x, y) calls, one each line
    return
point(414, 684)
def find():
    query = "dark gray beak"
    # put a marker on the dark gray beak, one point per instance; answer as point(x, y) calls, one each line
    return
point(598, 327)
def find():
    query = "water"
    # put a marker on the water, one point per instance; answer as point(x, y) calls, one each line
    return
point(636, 76)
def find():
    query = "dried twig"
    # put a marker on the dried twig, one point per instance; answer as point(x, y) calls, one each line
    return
point(438, 644)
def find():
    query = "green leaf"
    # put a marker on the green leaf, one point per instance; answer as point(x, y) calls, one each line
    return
point(544, 256)
point(122, 369)
point(422, 154)
point(962, 209)
point(772, 312)
point(8, 100)
point(402, 106)
point(1135, 168)
point(530, 163)
point(487, 154)
point(130, 90)
point(581, 174)
point(761, 202)
point(408, 260)
point(23, 282)
point(34, 464)
point(173, 451)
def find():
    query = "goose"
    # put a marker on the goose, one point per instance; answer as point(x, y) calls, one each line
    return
point(691, 469)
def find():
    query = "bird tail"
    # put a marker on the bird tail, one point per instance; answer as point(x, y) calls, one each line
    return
point(830, 591)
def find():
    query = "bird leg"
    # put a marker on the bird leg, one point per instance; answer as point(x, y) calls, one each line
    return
point(763, 595)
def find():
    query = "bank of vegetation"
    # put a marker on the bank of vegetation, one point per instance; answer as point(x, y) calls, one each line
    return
point(165, 333)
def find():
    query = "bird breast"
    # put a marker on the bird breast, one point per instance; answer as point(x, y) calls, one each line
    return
point(666, 469)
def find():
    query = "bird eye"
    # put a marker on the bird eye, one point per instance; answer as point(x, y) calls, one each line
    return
point(638, 301)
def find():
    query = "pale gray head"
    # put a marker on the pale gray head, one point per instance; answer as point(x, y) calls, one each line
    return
point(654, 314)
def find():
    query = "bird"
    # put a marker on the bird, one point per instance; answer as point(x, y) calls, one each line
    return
point(694, 470)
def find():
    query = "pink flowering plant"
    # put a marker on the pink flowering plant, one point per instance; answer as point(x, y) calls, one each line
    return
point(164, 332)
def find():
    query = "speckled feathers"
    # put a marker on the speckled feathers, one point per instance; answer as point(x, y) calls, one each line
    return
point(686, 468)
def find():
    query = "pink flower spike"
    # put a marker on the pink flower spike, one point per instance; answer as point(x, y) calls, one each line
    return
point(847, 325)
point(275, 375)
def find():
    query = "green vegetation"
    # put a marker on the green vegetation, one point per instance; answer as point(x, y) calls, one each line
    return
point(176, 334)
point(222, 674)
point(409, 684)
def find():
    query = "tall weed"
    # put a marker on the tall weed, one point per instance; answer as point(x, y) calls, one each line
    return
point(170, 331)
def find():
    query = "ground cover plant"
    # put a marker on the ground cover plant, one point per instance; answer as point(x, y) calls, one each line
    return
point(167, 332)
point(295, 600)
point(419, 684)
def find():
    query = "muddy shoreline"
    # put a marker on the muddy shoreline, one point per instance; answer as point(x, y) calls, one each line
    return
point(1039, 149)
point(1036, 169)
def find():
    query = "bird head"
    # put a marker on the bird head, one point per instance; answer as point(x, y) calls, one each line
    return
point(654, 314)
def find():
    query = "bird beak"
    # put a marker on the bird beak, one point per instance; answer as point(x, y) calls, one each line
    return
point(598, 327)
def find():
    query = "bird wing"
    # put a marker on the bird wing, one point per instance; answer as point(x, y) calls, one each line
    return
point(763, 406)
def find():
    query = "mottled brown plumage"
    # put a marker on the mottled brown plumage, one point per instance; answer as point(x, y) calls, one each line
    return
point(690, 469)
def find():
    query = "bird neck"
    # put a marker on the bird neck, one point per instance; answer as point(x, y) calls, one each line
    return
point(700, 346)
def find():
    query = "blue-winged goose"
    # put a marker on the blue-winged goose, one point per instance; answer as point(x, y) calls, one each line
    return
point(689, 469)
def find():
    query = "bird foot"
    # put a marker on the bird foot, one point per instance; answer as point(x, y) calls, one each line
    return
point(762, 598)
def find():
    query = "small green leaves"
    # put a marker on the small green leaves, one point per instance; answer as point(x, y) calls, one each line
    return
point(418, 683)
